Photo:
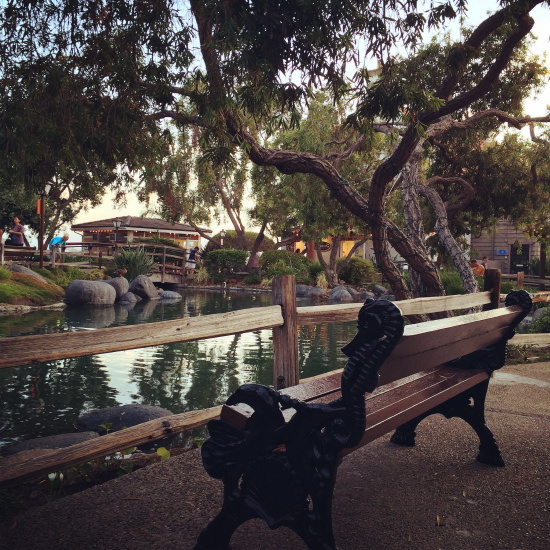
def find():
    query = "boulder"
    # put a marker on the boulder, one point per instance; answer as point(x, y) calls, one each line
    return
point(302, 291)
point(95, 293)
point(129, 297)
point(340, 294)
point(379, 290)
point(120, 284)
point(316, 291)
point(170, 295)
point(16, 268)
point(50, 442)
point(119, 417)
point(143, 287)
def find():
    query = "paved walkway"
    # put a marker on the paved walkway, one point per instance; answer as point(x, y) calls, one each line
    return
point(386, 498)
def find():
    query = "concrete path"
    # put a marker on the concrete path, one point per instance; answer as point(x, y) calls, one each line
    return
point(430, 497)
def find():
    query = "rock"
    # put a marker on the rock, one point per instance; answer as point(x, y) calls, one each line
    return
point(379, 290)
point(50, 442)
point(302, 291)
point(95, 293)
point(355, 295)
point(129, 297)
point(540, 312)
point(119, 417)
point(120, 284)
point(365, 294)
point(316, 291)
point(143, 287)
point(170, 295)
point(340, 294)
point(16, 268)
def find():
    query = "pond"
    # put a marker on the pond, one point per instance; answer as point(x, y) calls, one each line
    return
point(46, 398)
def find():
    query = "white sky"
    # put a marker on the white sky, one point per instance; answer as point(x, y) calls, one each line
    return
point(477, 12)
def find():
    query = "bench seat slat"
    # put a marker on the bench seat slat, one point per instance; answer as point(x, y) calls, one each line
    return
point(387, 411)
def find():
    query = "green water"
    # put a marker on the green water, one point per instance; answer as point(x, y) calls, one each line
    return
point(46, 398)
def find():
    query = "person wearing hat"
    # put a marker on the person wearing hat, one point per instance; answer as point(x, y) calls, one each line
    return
point(478, 269)
point(57, 242)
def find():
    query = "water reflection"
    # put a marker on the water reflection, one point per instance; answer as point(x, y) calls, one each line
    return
point(46, 398)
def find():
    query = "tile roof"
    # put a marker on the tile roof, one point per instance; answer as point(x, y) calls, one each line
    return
point(135, 222)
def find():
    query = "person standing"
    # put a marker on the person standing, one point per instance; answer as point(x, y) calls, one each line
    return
point(16, 234)
point(192, 260)
point(478, 269)
point(485, 261)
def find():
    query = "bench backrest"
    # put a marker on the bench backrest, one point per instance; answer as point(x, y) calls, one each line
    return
point(426, 345)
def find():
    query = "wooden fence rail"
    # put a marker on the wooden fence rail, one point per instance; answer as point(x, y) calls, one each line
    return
point(280, 317)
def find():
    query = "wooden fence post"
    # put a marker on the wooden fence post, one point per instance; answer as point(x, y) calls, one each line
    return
point(521, 277)
point(1, 252)
point(491, 283)
point(285, 338)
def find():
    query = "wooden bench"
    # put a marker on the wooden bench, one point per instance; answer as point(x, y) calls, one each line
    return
point(16, 253)
point(277, 452)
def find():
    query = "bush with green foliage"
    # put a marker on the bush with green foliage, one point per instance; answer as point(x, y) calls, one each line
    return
point(222, 262)
point(542, 324)
point(534, 266)
point(201, 275)
point(252, 279)
point(315, 269)
point(357, 272)
point(135, 260)
point(283, 262)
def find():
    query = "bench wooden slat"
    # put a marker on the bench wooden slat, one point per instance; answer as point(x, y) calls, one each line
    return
point(387, 411)
point(425, 345)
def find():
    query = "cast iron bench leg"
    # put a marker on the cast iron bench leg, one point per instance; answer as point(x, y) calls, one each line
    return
point(459, 407)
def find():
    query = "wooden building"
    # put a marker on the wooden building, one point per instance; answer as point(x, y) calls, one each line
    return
point(126, 229)
point(507, 248)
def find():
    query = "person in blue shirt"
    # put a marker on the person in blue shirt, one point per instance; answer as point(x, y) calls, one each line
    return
point(56, 243)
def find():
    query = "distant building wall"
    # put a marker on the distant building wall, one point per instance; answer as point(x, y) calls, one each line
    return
point(498, 245)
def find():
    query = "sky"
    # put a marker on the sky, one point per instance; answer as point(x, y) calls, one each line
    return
point(477, 12)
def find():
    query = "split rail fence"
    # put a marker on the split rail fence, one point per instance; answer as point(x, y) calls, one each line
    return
point(283, 318)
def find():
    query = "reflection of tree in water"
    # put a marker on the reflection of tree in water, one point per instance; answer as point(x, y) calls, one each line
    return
point(319, 347)
point(46, 398)
point(196, 375)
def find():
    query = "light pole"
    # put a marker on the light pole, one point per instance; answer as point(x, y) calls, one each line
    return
point(222, 236)
point(47, 188)
point(116, 224)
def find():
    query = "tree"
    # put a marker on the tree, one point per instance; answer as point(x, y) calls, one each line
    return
point(258, 61)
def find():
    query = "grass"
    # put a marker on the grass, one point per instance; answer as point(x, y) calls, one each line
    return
point(21, 289)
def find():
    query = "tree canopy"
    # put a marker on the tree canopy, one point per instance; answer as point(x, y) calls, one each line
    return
point(239, 70)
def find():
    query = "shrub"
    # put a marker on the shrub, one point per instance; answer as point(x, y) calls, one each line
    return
point(5, 273)
point(135, 261)
point(283, 262)
point(357, 271)
point(252, 279)
point(95, 275)
point(315, 269)
point(225, 261)
point(201, 275)
point(321, 280)
point(542, 324)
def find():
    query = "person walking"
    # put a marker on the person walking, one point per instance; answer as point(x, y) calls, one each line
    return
point(16, 234)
